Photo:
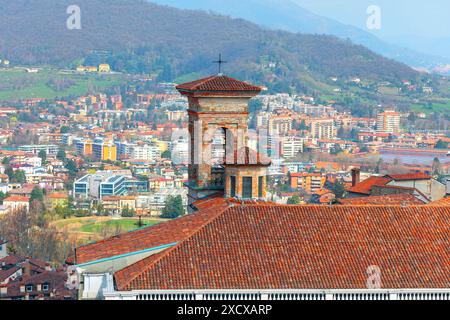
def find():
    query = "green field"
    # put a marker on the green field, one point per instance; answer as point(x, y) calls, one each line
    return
point(89, 229)
point(17, 83)
point(434, 107)
point(124, 225)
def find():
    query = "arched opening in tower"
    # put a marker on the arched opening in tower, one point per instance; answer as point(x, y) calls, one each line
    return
point(219, 148)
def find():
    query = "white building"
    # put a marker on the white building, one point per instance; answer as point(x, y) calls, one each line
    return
point(322, 128)
point(388, 122)
point(145, 152)
point(291, 146)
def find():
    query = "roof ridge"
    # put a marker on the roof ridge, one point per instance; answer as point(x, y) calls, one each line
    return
point(197, 82)
point(169, 250)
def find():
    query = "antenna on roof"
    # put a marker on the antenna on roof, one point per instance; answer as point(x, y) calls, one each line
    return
point(220, 62)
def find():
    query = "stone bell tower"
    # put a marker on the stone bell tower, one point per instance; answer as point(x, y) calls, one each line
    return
point(218, 119)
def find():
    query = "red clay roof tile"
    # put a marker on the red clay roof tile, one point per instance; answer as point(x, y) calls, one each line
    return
point(217, 83)
point(409, 176)
point(304, 247)
point(161, 234)
point(365, 186)
point(444, 202)
point(388, 200)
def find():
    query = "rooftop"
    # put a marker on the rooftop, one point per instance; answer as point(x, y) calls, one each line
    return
point(217, 83)
point(16, 199)
point(365, 186)
point(405, 199)
point(445, 202)
point(161, 234)
point(409, 176)
point(302, 247)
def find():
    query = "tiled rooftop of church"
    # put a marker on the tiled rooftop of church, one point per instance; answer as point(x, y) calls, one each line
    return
point(301, 247)
point(217, 83)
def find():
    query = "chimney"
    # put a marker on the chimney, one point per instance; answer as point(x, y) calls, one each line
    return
point(356, 174)
point(4, 290)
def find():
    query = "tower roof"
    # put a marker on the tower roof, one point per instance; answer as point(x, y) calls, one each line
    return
point(217, 83)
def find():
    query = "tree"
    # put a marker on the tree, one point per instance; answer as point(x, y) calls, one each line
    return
point(338, 189)
point(19, 176)
point(64, 129)
point(436, 167)
point(173, 207)
point(10, 173)
point(441, 145)
point(62, 212)
point(294, 200)
point(43, 155)
point(379, 166)
point(127, 212)
point(37, 194)
point(72, 167)
point(341, 133)
point(412, 117)
point(30, 235)
point(166, 154)
point(2, 196)
point(61, 155)
point(303, 125)
point(364, 149)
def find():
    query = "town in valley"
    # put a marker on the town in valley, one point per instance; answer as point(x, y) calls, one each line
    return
point(167, 184)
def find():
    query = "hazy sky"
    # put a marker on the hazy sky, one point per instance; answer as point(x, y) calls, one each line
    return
point(423, 18)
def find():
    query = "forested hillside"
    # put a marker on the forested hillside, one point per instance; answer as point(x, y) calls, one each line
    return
point(138, 37)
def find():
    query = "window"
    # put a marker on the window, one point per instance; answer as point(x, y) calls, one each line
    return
point(260, 186)
point(45, 287)
point(247, 183)
point(29, 288)
point(233, 186)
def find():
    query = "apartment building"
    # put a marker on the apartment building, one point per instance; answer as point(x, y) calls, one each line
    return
point(50, 149)
point(310, 182)
point(291, 146)
point(388, 122)
point(99, 185)
point(145, 152)
point(322, 128)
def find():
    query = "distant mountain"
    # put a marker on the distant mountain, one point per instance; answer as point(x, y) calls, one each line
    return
point(288, 15)
point(139, 37)
point(436, 46)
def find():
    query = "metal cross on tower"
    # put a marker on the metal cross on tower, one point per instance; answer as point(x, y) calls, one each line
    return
point(220, 62)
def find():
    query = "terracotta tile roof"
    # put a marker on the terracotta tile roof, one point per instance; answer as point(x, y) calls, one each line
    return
point(303, 247)
point(365, 186)
point(210, 201)
point(54, 279)
point(161, 234)
point(217, 83)
point(17, 199)
point(392, 199)
point(58, 196)
point(5, 274)
point(444, 202)
point(409, 176)
point(10, 260)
